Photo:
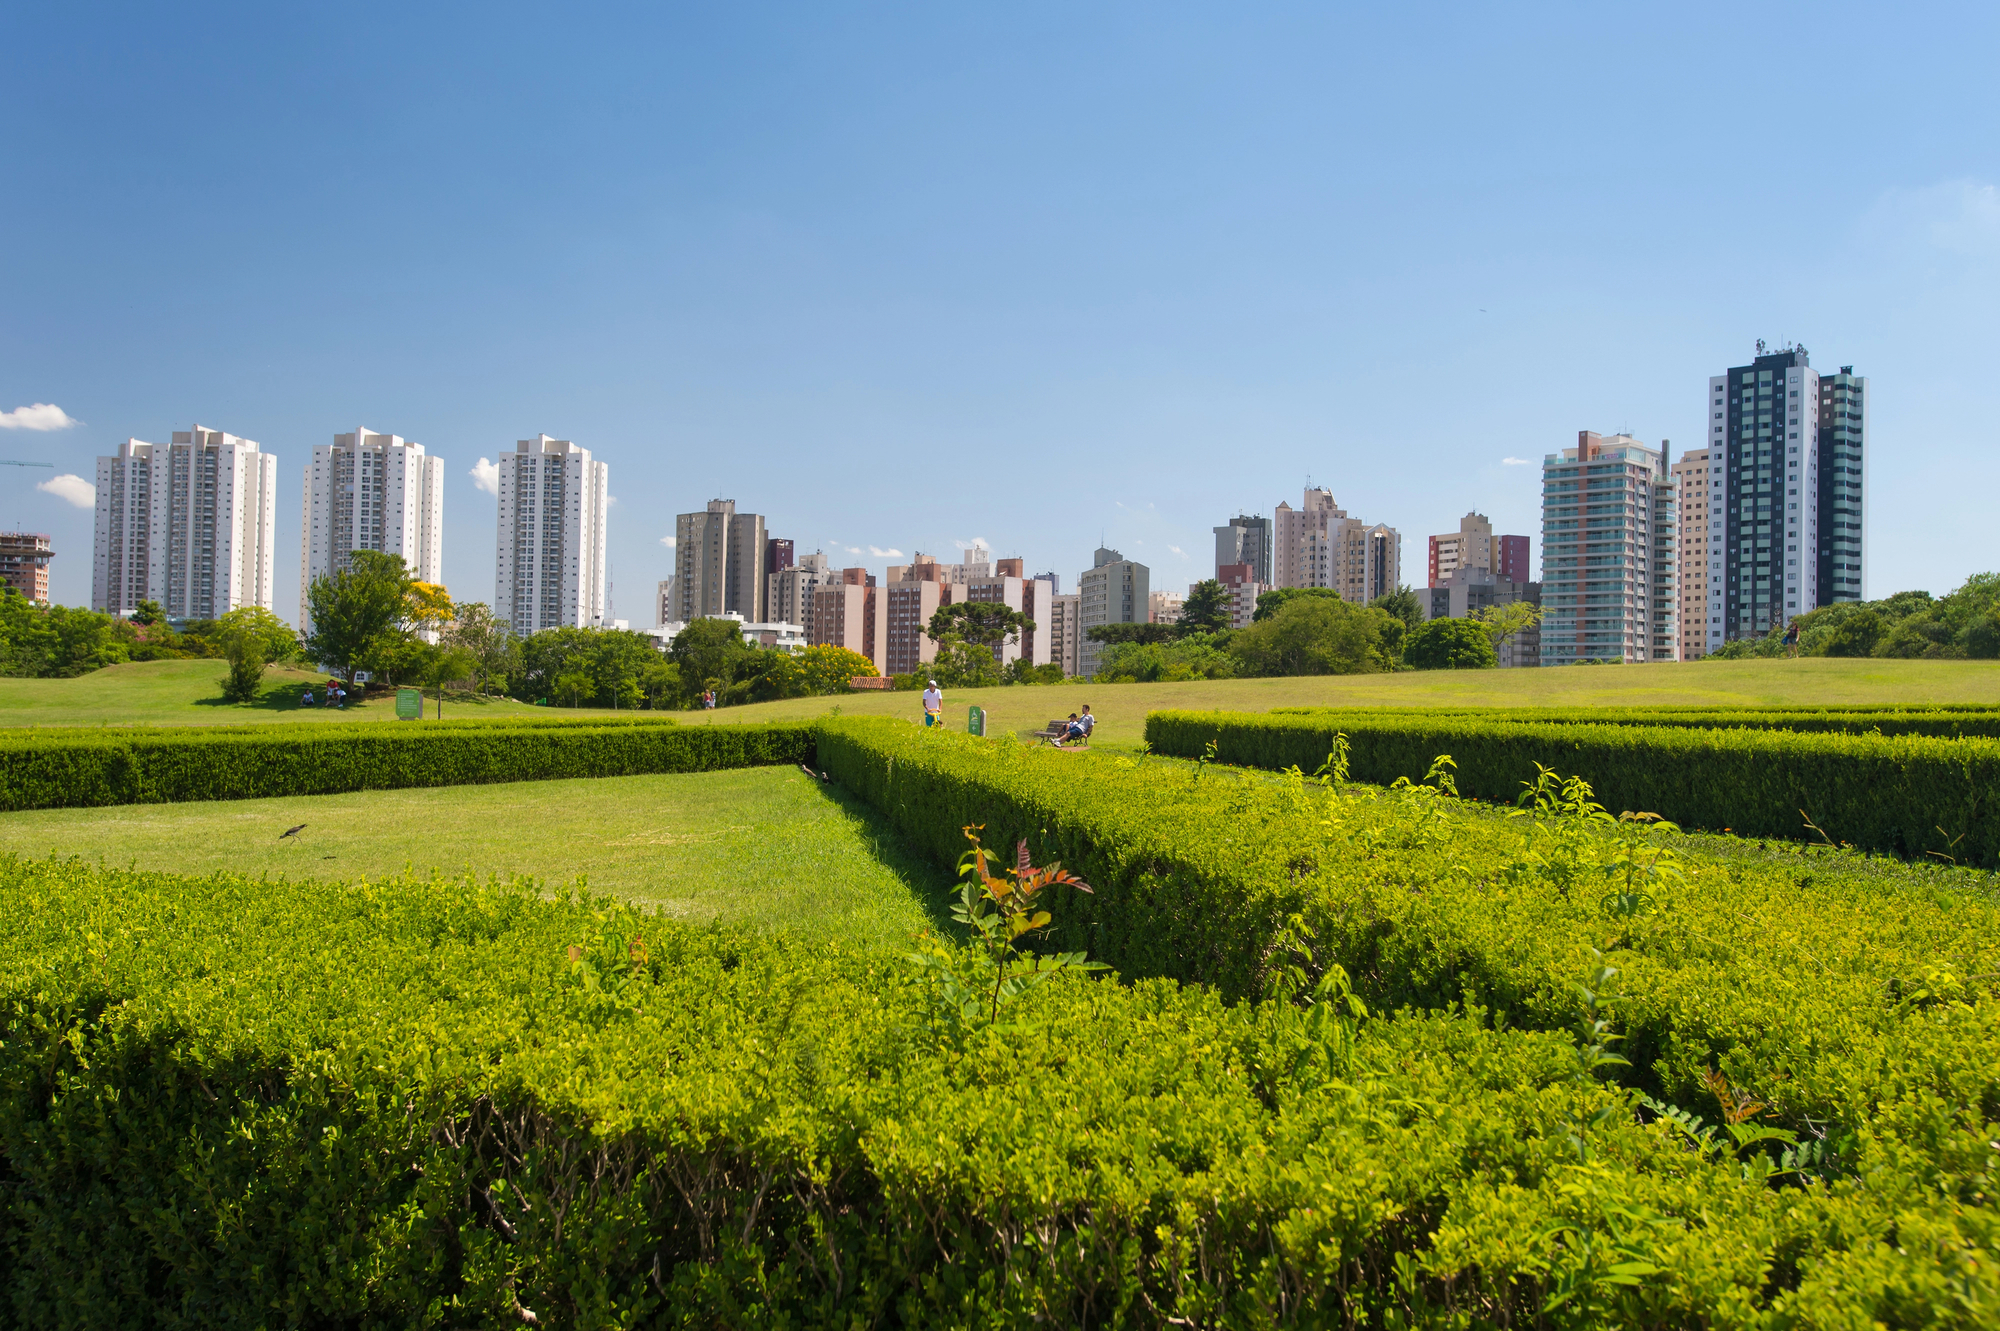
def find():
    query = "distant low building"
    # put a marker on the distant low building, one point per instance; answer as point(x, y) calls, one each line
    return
point(1470, 590)
point(1163, 608)
point(1241, 589)
point(786, 637)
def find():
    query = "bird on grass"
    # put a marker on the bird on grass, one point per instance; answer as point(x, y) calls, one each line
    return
point(809, 772)
point(291, 831)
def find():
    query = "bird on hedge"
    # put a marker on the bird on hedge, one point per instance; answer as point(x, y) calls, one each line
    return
point(291, 831)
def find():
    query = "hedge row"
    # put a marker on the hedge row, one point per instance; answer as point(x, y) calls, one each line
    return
point(47, 771)
point(234, 1104)
point(1832, 993)
point(1961, 721)
point(1904, 795)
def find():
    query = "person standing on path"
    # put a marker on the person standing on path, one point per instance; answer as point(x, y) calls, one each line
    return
point(1792, 638)
point(933, 706)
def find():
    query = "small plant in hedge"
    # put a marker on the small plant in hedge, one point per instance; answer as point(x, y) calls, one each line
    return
point(1001, 910)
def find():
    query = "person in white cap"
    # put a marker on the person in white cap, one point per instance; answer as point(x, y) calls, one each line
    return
point(933, 706)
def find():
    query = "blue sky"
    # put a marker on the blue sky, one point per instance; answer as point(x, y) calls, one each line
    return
point(902, 276)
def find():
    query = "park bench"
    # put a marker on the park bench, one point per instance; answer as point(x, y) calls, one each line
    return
point(1053, 733)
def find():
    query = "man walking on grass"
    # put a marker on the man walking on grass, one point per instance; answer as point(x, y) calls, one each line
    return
point(933, 706)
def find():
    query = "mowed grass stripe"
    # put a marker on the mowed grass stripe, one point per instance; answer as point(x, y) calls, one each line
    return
point(767, 847)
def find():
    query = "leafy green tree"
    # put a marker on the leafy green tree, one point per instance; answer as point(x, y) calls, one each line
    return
point(815, 672)
point(1143, 633)
point(486, 639)
point(1404, 604)
point(710, 654)
point(251, 637)
point(1206, 609)
point(149, 613)
point(987, 624)
point(57, 641)
point(1314, 635)
point(1502, 622)
point(1271, 602)
point(1450, 644)
point(359, 613)
point(613, 665)
point(962, 665)
point(660, 682)
point(1195, 657)
point(1020, 671)
point(1856, 635)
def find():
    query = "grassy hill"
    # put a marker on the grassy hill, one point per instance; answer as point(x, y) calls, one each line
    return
point(187, 693)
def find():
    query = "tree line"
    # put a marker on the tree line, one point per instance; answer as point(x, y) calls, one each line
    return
point(1303, 631)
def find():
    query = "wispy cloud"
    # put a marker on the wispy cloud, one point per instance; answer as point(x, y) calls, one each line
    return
point(880, 553)
point(1513, 462)
point(485, 474)
point(1961, 216)
point(1177, 550)
point(73, 489)
point(40, 416)
point(851, 549)
point(977, 540)
point(671, 542)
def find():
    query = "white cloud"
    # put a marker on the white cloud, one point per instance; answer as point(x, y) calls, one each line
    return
point(977, 540)
point(880, 553)
point(1962, 216)
point(40, 416)
point(670, 541)
point(1513, 462)
point(73, 489)
point(486, 475)
point(1177, 550)
point(852, 549)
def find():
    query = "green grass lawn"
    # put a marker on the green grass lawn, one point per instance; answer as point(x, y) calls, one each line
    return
point(186, 693)
point(768, 847)
point(1122, 708)
point(189, 693)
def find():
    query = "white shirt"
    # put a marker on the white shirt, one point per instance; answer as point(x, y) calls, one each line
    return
point(933, 700)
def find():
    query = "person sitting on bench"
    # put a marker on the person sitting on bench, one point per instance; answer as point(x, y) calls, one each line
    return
point(1073, 731)
point(1087, 721)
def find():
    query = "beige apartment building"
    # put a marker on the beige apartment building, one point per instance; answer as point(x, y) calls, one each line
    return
point(844, 614)
point(1320, 545)
point(1691, 478)
point(1065, 629)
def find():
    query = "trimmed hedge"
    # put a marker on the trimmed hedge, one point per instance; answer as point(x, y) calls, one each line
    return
point(1904, 795)
point(1833, 989)
point(236, 1104)
point(47, 770)
point(1946, 721)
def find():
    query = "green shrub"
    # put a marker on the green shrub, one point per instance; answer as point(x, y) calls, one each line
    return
point(1803, 980)
point(1947, 720)
point(1449, 644)
point(1906, 795)
point(234, 1104)
point(66, 769)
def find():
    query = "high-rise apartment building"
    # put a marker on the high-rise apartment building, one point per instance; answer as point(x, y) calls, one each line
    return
point(844, 615)
point(550, 562)
point(1787, 475)
point(1246, 540)
point(1114, 590)
point(719, 563)
point(1608, 552)
point(1163, 608)
point(369, 491)
point(789, 597)
point(189, 524)
point(24, 563)
point(1474, 545)
point(1691, 481)
point(1320, 545)
point(1065, 629)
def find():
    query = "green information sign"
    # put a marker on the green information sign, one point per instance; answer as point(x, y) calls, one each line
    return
point(975, 722)
point(409, 704)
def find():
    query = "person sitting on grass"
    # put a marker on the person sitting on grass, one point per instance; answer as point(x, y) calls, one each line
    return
point(306, 698)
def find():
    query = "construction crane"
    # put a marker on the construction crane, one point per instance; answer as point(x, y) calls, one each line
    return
point(9, 462)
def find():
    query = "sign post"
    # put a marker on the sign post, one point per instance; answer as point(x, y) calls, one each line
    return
point(409, 704)
point(975, 721)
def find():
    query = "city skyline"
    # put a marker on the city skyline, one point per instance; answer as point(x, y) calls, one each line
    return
point(1075, 278)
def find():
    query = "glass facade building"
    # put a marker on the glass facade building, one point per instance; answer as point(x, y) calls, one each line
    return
point(1609, 533)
